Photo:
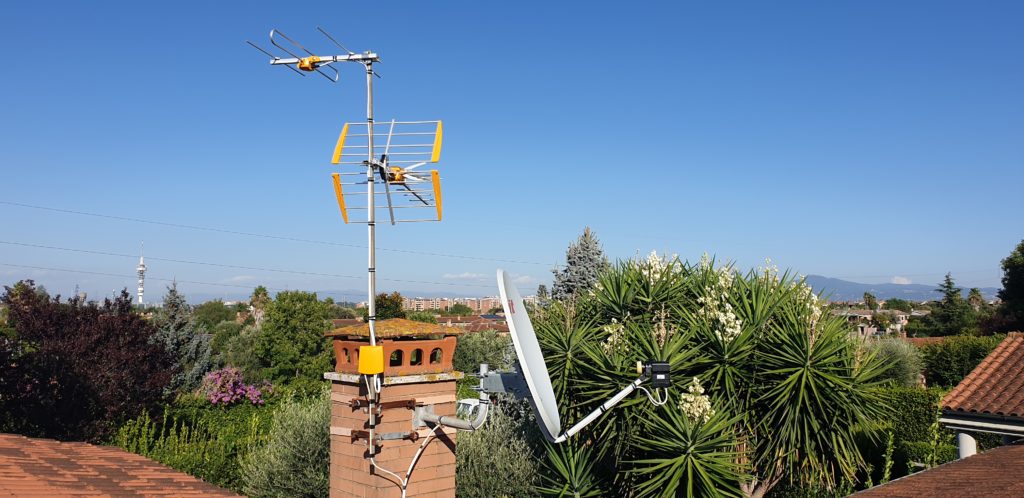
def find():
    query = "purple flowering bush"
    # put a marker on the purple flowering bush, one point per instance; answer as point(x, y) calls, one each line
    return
point(226, 387)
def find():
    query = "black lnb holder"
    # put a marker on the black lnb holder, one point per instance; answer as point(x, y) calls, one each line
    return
point(657, 372)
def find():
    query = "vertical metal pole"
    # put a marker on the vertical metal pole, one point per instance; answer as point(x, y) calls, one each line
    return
point(371, 317)
point(371, 306)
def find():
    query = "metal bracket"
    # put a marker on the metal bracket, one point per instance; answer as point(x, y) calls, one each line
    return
point(357, 403)
point(504, 382)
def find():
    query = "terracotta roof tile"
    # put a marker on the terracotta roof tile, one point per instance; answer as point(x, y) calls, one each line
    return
point(996, 386)
point(995, 473)
point(44, 467)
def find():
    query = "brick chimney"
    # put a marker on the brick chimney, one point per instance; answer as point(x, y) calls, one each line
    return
point(418, 376)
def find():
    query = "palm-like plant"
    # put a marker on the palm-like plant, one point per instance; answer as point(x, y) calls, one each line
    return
point(789, 385)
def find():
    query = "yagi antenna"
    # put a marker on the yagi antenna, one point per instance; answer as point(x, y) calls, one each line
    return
point(302, 61)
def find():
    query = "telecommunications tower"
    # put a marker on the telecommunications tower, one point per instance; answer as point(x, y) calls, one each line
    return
point(141, 269)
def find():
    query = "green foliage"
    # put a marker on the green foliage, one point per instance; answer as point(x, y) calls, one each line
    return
point(193, 438)
point(295, 458)
point(240, 351)
point(898, 304)
point(904, 361)
point(259, 301)
point(570, 471)
point(924, 452)
point(870, 301)
point(422, 316)
point(291, 345)
point(389, 306)
point(584, 262)
point(1011, 310)
point(792, 379)
point(703, 458)
point(186, 341)
point(212, 313)
point(485, 346)
point(494, 461)
point(222, 334)
point(948, 362)
point(460, 309)
point(952, 315)
point(74, 370)
point(913, 411)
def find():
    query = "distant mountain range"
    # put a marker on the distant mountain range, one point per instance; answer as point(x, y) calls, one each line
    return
point(835, 289)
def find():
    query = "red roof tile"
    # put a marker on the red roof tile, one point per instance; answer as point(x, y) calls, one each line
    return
point(996, 386)
point(995, 473)
point(44, 467)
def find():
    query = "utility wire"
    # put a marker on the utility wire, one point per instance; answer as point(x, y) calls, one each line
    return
point(239, 267)
point(267, 236)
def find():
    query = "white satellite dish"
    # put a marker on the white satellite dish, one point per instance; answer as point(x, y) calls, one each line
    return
point(534, 370)
point(531, 359)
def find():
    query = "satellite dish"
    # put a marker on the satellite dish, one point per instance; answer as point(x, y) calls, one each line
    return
point(531, 359)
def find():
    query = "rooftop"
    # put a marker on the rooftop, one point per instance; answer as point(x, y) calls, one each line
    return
point(394, 327)
point(44, 467)
point(992, 474)
point(995, 388)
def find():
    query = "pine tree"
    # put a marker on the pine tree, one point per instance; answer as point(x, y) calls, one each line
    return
point(187, 342)
point(952, 315)
point(1012, 293)
point(584, 261)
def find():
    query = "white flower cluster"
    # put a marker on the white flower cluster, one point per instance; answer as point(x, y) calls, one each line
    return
point(715, 306)
point(615, 342)
point(811, 301)
point(654, 266)
point(769, 271)
point(695, 404)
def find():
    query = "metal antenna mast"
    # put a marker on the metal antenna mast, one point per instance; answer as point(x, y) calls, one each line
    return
point(401, 173)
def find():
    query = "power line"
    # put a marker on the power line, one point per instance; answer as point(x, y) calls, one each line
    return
point(239, 267)
point(266, 236)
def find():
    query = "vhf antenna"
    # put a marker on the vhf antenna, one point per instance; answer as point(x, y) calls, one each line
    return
point(415, 189)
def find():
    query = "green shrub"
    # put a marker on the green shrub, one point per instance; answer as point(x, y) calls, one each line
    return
point(421, 316)
point(914, 411)
point(904, 361)
point(495, 460)
point(948, 362)
point(294, 460)
point(206, 443)
point(920, 452)
point(486, 346)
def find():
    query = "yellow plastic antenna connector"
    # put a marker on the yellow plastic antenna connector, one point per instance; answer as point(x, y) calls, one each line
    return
point(371, 360)
point(309, 63)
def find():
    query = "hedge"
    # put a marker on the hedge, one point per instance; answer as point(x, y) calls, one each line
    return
point(948, 362)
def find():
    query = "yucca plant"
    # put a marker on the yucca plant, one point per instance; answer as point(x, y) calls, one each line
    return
point(788, 387)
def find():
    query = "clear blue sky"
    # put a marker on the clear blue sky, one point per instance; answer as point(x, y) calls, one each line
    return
point(863, 140)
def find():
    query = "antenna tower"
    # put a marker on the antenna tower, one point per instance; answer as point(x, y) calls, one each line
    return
point(416, 143)
point(141, 269)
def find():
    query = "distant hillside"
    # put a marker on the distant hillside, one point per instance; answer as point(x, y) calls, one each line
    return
point(841, 290)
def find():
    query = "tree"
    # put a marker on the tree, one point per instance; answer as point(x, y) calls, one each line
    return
point(881, 320)
point(870, 301)
point(1011, 310)
point(186, 341)
point(898, 304)
point(460, 309)
point(389, 306)
point(422, 316)
point(975, 299)
point(485, 346)
point(584, 262)
point(291, 344)
point(294, 460)
point(259, 301)
point(776, 387)
point(211, 313)
point(952, 315)
point(74, 370)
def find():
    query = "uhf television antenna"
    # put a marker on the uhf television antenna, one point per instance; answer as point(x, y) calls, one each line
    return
point(408, 146)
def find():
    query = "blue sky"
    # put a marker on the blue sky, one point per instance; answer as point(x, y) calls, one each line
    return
point(870, 141)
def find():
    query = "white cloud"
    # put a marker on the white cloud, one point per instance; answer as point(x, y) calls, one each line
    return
point(523, 280)
point(463, 276)
point(238, 279)
point(900, 280)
